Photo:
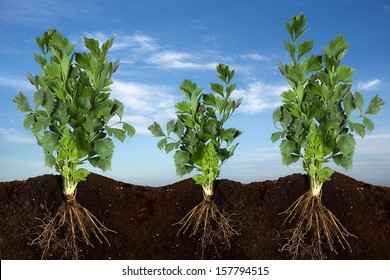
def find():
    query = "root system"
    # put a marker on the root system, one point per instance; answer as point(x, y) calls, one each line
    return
point(61, 233)
point(213, 225)
point(316, 228)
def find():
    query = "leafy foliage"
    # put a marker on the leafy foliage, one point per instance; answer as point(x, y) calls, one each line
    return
point(318, 115)
point(72, 113)
point(201, 142)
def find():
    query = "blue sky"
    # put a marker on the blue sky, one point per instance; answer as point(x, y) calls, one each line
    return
point(163, 42)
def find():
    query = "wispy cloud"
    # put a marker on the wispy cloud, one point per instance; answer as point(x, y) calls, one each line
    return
point(386, 7)
point(260, 96)
point(369, 84)
point(134, 42)
point(254, 57)
point(145, 103)
point(14, 136)
point(15, 83)
point(181, 60)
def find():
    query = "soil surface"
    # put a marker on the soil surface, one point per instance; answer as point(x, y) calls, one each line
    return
point(143, 217)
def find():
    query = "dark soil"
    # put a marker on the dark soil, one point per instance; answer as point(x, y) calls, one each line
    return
point(143, 216)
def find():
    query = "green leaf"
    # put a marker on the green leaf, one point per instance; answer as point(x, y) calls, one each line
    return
point(38, 98)
point(360, 129)
point(21, 103)
point(91, 44)
point(325, 174)
point(359, 101)
point(183, 107)
point(170, 146)
point(291, 49)
point(31, 79)
point(218, 88)
point(156, 130)
point(349, 104)
point(129, 129)
point(276, 115)
point(181, 159)
point(80, 175)
point(118, 133)
point(105, 149)
point(170, 126)
point(50, 141)
point(346, 144)
point(277, 135)
point(369, 124)
point(161, 144)
point(375, 105)
point(288, 149)
point(194, 103)
point(304, 47)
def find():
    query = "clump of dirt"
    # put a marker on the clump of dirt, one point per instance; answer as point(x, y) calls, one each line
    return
point(144, 217)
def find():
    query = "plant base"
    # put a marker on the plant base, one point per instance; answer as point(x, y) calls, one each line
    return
point(205, 218)
point(71, 223)
point(315, 224)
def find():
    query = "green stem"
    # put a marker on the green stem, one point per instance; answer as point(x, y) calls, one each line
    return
point(315, 186)
point(208, 189)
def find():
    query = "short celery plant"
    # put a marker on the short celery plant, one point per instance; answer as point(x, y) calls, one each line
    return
point(71, 118)
point(317, 119)
point(202, 143)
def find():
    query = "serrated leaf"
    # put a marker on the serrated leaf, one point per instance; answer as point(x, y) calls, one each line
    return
point(290, 48)
point(181, 159)
point(360, 129)
point(304, 47)
point(156, 130)
point(209, 99)
point(170, 126)
point(129, 129)
point(21, 103)
point(170, 146)
point(105, 149)
point(91, 44)
point(287, 149)
point(325, 174)
point(349, 104)
point(38, 98)
point(218, 88)
point(346, 144)
point(161, 144)
point(80, 175)
point(359, 100)
point(276, 115)
point(369, 124)
point(28, 121)
point(183, 107)
point(179, 129)
point(375, 105)
point(118, 133)
point(277, 135)
point(50, 141)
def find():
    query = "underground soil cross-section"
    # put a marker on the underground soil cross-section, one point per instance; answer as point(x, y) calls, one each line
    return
point(143, 217)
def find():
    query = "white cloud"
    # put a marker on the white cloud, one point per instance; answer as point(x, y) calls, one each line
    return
point(260, 96)
point(135, 42)
point(254, 57)
point(386, 7)
point(181, 60)
point(12, 135)
point(145, 104)
point(369, 84)
point(16, 83)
